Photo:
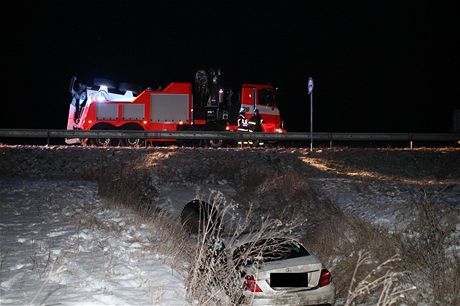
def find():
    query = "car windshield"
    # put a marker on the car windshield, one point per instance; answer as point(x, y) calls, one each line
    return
point(267, 250)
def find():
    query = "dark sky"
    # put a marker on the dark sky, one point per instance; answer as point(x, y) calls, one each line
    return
point(378, 66)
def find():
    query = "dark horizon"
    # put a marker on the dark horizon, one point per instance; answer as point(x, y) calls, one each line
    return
point(377, 67)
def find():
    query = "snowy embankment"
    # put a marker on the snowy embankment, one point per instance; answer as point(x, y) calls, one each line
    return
point(386, 203)
point(61, 245)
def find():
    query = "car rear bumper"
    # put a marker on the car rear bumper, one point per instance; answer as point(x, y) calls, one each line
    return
point(319, 296)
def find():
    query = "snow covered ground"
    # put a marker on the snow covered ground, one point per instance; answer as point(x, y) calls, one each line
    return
point(386, 203)
point(60, 245)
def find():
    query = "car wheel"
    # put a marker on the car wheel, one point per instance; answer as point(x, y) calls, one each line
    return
point(190, 218)
point(196, 212)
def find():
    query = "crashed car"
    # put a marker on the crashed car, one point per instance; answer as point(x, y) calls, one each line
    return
point(280, 271)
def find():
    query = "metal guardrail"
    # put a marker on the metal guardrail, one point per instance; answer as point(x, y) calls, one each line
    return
point(207, 135)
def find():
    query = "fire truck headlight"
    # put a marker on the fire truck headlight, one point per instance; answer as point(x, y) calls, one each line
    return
point(227, 128)
point(181, 122)
point(144, 122)
point(90, 121)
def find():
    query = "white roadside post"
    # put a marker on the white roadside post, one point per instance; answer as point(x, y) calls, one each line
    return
point(310, 93)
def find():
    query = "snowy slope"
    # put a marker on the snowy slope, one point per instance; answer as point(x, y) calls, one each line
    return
point(386, 203)
point(61, 245)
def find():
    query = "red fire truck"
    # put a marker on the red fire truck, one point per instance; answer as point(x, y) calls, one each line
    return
point(207, 106)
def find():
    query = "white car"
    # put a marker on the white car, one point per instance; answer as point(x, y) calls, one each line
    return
point(279, 271)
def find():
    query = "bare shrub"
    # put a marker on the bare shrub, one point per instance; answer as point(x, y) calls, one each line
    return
point(170, 240)
point(52, 272)
point(339, 237)
point(288, 183)
point(429, 245)
point(428, 249)
point(382, 279)
point(287, 190)
point(168, 237)
point(130, 187)
point(47, 266)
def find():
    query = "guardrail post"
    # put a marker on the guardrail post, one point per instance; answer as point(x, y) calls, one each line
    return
point(48, 138)
point(330, 141)
point(410, 142)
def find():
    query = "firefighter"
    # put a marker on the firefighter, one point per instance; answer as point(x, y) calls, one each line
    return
point(242, 124)
point(255, 125)
point(242, 121)
point(78, 100)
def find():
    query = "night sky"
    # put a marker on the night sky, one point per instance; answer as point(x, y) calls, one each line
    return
point(378, 66)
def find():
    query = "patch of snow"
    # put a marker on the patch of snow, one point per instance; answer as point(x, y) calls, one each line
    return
point(69, 260)
point(382, 203)
point(55, 234)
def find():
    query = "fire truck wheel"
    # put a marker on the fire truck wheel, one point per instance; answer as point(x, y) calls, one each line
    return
point(101, 142)
point(216, 143)
point(133, 142)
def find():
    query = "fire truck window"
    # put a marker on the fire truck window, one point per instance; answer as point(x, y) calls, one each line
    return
point(266, 97)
